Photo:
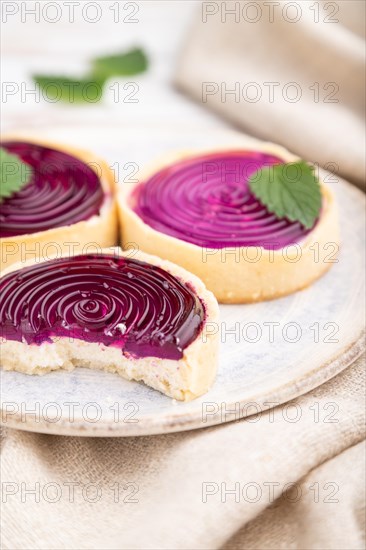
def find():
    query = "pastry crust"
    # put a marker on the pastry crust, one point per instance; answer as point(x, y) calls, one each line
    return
point(88, 235)
point(239, 274)
point(182, 379)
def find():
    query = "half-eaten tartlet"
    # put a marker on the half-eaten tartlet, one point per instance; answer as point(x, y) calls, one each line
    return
point(139, 316)
point(66, 206)
point(197, 210)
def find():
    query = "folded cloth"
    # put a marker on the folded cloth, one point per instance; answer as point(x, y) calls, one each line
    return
point(291, 477)
point(289, 72)
point(326, 509)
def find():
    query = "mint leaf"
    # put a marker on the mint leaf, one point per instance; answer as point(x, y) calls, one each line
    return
point(123, 64)
point(290, 191)
point(63, 88)
point(15, 173)
point(89, 88)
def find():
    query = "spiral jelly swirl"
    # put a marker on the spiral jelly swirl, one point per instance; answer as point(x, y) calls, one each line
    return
point(63, 190)
point(206, 201)
point(137, 307)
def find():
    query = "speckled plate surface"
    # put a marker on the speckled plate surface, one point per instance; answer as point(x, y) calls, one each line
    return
point(270, 353)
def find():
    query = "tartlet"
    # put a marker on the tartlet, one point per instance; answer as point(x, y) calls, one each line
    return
point(67, 206)
point(196, 210)
point(141, 317)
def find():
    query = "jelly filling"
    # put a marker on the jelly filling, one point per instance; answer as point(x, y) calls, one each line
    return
point(207, 201)
point(62, 190)
point(111, 300)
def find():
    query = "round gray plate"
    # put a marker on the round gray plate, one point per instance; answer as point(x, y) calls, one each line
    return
point(270, 353)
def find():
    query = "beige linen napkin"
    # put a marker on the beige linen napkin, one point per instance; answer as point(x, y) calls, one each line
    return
point(265, 483)
point(289, 72)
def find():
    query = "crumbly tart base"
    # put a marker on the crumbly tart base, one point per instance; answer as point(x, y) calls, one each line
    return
point(85, 236)
point(183, 379)
point(239, 274)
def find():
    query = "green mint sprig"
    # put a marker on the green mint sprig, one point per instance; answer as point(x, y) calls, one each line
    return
point(290, 191)
point(123, 64)
point(70, 90)
point(89, 88)
point(15, 174)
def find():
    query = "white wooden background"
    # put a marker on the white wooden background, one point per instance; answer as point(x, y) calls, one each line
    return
point(64, 47)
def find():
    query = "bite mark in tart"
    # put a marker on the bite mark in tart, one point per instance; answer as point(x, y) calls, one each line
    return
point(198, 211)
point(140, 317)
point(67, 204)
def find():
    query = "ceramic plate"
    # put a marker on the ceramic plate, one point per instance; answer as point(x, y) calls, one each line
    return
point(270, 353)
